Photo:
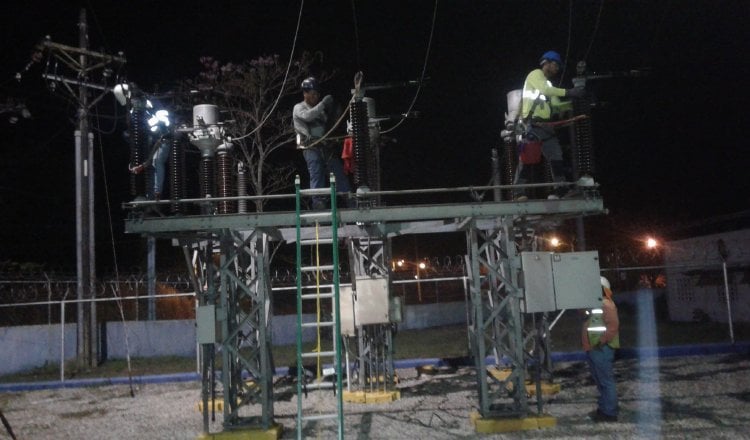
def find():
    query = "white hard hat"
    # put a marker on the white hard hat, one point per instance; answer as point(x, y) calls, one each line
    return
point(605, 283)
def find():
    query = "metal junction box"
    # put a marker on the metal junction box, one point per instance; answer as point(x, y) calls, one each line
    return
point(346, 308)
point(554, 281)
point(369, 305)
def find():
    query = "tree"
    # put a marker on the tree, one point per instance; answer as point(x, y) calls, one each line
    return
point(254, 96)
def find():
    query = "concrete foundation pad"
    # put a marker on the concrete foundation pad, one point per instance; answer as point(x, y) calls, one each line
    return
point(492, 425)
point(371, 396)
point(272, 433)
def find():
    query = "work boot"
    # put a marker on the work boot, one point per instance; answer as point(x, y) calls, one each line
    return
point(599, 416)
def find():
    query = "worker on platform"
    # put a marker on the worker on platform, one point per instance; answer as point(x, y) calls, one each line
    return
point(322, 157)
point(600, 338)
point(541, 102)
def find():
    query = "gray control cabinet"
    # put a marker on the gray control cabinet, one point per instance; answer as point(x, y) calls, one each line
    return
point(368, 305)
point(558, 281)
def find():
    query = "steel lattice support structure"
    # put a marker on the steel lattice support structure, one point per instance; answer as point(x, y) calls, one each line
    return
point(496, 327)
point(237, 285)
point(369, 258)
point(233, 283)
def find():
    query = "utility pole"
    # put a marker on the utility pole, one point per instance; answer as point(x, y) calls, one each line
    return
point(81, 64)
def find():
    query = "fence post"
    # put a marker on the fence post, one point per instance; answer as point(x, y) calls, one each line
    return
point(62, 341)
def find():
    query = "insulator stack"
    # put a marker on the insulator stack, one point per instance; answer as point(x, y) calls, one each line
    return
point(177, 173)
point(496, 178)
point(241, 187)
point(361, 135)
point(373, 164)
point(207, 176)
point(583, 157)
point(510, 161)
point(138, 136)
point(224, 182)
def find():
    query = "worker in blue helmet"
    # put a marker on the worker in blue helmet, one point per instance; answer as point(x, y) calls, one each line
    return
point(310, 118)
point(540, 103)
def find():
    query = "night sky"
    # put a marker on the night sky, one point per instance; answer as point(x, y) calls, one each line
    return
point(671, 147)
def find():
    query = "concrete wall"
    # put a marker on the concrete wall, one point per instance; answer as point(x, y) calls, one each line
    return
point(150, 338)
point(433, 315)
point(34, 346)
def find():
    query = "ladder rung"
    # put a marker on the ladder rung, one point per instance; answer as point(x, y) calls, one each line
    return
point(313, 354)
point(318, 241)
point(317, 295)
point(320, 417)
point(316, 191)
point(318, 324)
point(326, 286)
point(319, 385)
point(316, 268)
point(316, 215)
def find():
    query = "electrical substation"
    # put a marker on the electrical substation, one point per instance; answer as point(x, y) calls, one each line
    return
point(514, 283)
point(228, 252)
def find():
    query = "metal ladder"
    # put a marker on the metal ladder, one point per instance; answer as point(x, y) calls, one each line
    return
point(332, 351)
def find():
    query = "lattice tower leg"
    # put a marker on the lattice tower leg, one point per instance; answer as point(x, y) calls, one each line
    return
point(495, 326)
point(369, 257)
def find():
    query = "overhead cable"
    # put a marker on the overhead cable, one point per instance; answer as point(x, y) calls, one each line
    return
point(596, 28)
point(421, 78)
point(283, 82)
point(567, 47)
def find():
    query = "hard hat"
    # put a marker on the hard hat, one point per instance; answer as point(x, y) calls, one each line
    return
point(310, 83)
point(551, 55)
point(605, 283)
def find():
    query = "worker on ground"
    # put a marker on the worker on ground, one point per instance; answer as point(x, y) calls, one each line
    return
point(539, 103)
point(323, 157)
point(600, 338)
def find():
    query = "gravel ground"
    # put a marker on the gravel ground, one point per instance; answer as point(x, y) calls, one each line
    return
point(685, 397)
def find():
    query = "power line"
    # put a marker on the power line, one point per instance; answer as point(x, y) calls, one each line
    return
point(356, 35)
point(424, 69)
point(596, 28)
point(283, 82)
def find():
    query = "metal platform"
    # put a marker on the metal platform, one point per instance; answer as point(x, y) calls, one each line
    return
point(228, 257)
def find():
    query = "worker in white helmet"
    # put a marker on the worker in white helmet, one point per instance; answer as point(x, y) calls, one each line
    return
point(600, 338)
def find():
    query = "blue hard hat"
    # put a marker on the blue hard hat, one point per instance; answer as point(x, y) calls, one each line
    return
point(310, 83)
point(551, 56)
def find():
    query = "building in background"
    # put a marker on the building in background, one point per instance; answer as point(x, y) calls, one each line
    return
point(696, 285)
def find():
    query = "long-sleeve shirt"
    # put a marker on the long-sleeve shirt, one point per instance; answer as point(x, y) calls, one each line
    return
point(538, 86)
point(309, 122)
point(611, 323)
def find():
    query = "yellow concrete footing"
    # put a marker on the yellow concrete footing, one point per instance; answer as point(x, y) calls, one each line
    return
point(548, 389)
point(272, 433)
point(493, 425)
point(371, 396)
point(213, 405)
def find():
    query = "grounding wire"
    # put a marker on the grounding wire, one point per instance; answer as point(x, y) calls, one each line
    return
point(115, 290)
point(421, 78)
point(283, 82)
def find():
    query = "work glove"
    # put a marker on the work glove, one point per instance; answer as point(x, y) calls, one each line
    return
point(327, 101)
point(575, 92)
